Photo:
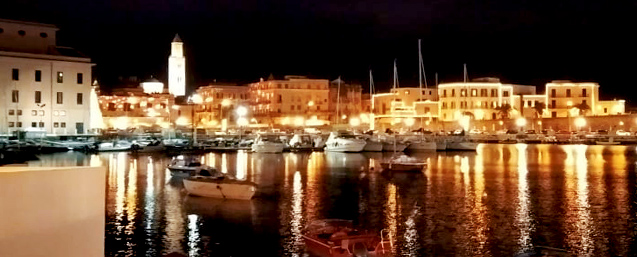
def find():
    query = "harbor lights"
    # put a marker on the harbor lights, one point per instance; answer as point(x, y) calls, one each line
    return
point(242, 121)
point(520, 122)
point(409, 122)
point(464, 122)
point(580, 122)
point(224, 122)
point(354, 122)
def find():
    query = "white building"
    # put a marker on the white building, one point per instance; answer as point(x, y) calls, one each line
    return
point(177, 68)
point(42, 85)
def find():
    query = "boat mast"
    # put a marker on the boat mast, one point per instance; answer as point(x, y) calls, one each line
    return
point(371, 99)
point(421, 73)
point(338, 101)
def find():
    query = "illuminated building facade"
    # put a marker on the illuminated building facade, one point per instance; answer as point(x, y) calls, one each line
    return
point(43, 86)
point(405, 107)
point(564, 97)
point(292, 101)
point(218, 102)
point(346, 105)
point(132, 108)
point(177, 68)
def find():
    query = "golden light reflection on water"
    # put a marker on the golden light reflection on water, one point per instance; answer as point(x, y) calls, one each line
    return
point(523, 216)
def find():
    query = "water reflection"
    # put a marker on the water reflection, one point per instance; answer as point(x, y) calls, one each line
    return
point(497, 201)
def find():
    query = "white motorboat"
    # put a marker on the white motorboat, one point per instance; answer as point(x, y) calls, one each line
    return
point(344, 141)
point(184, 167)
point(301, 142)
point(218, 185)
point(403, 163)
point(268, 144)
point(148, 147)
point(120, 145)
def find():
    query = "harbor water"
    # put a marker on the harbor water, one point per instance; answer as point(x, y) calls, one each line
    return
point(501, 200)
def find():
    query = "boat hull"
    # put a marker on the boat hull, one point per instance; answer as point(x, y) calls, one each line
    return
point(373, 146)
point(462, 146)
point(220, 188)
point(349, 148)
point(415, 167)
point(268, 148)
point(422, 146)
point(391, 147)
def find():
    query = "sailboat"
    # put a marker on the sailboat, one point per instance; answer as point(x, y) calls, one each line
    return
point(390, 141)
point(401, 162)
point(373, 143)
point(423, 143)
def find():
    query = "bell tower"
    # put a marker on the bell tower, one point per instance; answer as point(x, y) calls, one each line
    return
point(177, 68)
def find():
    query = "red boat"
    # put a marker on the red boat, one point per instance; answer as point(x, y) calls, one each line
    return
point(336, 238)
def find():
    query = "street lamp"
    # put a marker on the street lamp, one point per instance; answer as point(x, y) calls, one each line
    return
point(242, 111)
point(580, 122)
point(520, 122)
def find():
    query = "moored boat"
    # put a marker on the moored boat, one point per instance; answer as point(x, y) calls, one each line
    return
point(336, 238)
point(218, 185)
point(268, 144)
point(184, 167)
point(403, 163)
point(343, 141)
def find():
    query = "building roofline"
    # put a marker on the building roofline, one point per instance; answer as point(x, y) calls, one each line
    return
point(30, 23)
point(45, 57)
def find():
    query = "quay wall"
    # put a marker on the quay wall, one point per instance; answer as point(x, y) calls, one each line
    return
point(52, 211)
point(627, 122)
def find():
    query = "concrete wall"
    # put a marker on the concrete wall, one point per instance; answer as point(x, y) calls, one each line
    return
point(52, 211)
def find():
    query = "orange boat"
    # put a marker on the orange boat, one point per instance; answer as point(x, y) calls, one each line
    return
point(336, 238)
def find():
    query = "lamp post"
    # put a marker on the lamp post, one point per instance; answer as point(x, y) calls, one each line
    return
point(241, 121)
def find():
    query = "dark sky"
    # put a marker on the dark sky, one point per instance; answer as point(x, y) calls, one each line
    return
point(524, 42)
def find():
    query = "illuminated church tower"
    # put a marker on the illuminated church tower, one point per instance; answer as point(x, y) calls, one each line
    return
point(177, 68)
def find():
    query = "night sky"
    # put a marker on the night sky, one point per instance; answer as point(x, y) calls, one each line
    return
point(522, 42)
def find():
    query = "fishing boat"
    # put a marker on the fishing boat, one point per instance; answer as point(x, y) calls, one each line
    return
point(184, 167)
point(339, 238)
point(120, 145)
point(212, 183)
point(301, 142)
point(268, 144)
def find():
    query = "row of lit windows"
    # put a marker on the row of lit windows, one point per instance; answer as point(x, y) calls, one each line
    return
point(15, 97)
point(40, 124)
point(470, 105)
point(474, 93)
point(291, 86)
point(129, 106)
point(424, 92)
point(23, 33)
point(15, 76)
point(567, 93)
point(18, 112)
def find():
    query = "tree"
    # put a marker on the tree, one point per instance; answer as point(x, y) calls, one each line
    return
point(504, 110)
point(583, 108)
point(539, 109)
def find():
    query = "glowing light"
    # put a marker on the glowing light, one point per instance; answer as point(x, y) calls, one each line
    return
point(298, 121)
point(242, 121)
point(569, 103)
point(242, 111)
point(580, 122)
point(285, 121)
point(464, 122)
point(225, 102)
point(520, 122)
point(120, 123)
point(182, 121)
point(310, 103)
point(354, 122)
point(621, 123)
point(196, 98)
point(364, 118)
point(410, 122)
point(344, 117)
point(501, 123)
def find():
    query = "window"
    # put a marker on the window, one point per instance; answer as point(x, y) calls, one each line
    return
point(584, 92)
point(568, 93)
point(41, 112)
point(280, 99)
point(292, 107)
point(553, 93)
point(427, 109)
point(11, 112)
point(15, 96)
point(583, 101)
point(553, 114)
point(553, 104)
point(21, 33)
point(19, 124)
point(453, 92)
point(38, 97)
point(43, 35)
point(60, 98)
point(38, 76)
point(15, 74)
point(34, 124)
point(444, 93)
point(429, 92)
point(505, 93)
point(605, 110)
point(11, 124)
point(111, 106)
point(80, 78)
point(60, 77)
point(19, 112)
point(298, 107)
point(63, 124)
point(41, 124)
point(463, 92)
point(34, 113)
point(493, 117)
point(474, 92)
point(55, 124)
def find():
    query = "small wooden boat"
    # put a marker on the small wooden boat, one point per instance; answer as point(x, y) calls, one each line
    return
point(211, 183)
point(403, 163)
point(338, 238)
point(184, 167)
